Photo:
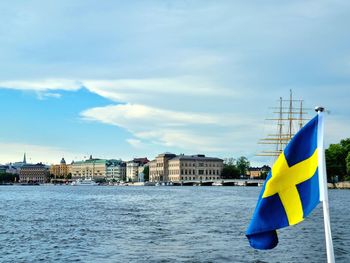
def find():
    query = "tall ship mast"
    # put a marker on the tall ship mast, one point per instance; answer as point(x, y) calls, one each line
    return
point(289, 117)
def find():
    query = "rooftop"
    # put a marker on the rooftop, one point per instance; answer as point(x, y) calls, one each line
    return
point(196, 157)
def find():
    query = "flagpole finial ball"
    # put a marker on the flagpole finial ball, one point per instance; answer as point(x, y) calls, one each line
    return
point(319, 108)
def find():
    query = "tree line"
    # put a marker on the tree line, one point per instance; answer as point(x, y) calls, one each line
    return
point(8, 178)
point(235, 168)
point(338, 161)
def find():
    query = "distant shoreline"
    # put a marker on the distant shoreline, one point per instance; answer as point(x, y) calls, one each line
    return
point(339, 185)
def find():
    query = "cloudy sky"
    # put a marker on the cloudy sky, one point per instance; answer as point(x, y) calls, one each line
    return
point(124, 79)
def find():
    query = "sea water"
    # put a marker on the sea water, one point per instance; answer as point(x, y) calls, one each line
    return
point(155, 224)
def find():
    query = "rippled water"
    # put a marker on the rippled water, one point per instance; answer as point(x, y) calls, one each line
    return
point(154, 224)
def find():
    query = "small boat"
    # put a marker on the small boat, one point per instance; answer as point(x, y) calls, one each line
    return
point(217, 184)
point(85, 182)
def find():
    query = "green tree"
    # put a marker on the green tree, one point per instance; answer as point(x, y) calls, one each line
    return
point(345, 144)
point(229, 161)
point(348, 166)
point(337, 160)
point(264, 174)
point(230, 172)
point(8, 178)
point(243, 165)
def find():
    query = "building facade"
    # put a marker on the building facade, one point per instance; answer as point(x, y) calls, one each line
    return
point(91, 168)
point(59, 170)
point(169, 167)
point(141, 173)
point(132, 168)
point(16, 167)
point(159, 168)
point(258, 172)
point(116, 170)
point(34, 173)
point(8, 168)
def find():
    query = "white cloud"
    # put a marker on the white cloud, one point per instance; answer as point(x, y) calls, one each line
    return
point(135, 143)
point(36, 153)
point(146, 115)
point(185, 113)
point(153, 89)
point(42, 85)
point(45, 95)
point(182, 70)
point(185, 130)
point(165, 111)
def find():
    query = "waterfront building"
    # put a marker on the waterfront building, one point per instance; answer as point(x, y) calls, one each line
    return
point(34, 173)
point(69, 168)
point(18, 165)
point(59, 170)
point(132, 168)
point(177, 168)
point(258, 172)
point(141, 174)
point(159, 168)
point(91, 168)
point(116, 170)
point(12, 170)
point(8, 168)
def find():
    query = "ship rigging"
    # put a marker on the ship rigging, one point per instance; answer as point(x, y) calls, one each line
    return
point(289, 117)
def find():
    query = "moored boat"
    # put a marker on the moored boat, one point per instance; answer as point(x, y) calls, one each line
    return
point(85, 182)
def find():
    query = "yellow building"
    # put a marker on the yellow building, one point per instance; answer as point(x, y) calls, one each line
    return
point(258, 172)
point(59, 170)
point(177, 168)
point(91, 168)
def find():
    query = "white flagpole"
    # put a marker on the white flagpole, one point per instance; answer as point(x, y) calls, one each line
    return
point(322, 174)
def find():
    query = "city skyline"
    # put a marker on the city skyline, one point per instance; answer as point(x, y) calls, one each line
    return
point(124, 80)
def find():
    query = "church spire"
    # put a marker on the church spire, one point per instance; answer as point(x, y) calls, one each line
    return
point(24, 158)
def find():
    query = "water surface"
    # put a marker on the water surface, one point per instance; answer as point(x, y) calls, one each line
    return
point(154, 224)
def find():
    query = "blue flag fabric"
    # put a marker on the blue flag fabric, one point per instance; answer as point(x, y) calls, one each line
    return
point(291, 190)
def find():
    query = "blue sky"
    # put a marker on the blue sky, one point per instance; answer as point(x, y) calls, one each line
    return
point(122, 79)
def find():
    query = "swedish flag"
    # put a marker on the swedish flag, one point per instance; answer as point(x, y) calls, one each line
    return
point(291, 190)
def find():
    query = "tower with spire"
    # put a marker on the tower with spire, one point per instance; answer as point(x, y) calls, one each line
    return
point(24, 158)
